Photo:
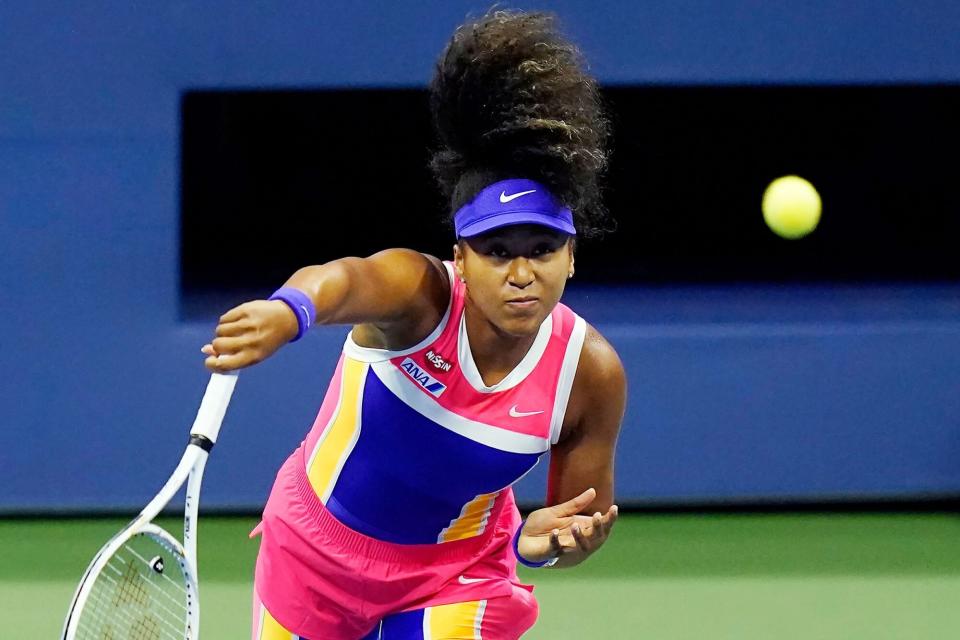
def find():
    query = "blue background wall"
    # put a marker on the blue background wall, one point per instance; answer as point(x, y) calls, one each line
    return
point(735, 394)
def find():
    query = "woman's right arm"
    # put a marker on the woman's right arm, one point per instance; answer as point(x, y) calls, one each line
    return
point(397, 292)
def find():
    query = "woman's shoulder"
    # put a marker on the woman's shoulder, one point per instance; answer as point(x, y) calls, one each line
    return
point(411, 260)
point(426, 274)
point(600, 366)
point(424, 282)
point(598, 396)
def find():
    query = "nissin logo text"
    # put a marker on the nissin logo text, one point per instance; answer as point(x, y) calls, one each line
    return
point(433, 386)
point(438, 361)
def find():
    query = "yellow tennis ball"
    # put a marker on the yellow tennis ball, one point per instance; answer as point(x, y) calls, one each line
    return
point(791, 207)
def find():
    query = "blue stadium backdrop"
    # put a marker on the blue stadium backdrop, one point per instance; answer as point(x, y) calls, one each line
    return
point(812, 395)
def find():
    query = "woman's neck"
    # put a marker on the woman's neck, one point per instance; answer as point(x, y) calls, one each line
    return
point(494, 352)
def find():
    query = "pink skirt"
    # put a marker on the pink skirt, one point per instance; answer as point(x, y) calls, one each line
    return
point(320, 579)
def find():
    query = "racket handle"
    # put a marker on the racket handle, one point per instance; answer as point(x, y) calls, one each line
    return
point(214, 405)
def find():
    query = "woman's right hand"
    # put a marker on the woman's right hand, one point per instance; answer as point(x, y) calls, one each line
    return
point(250, 333)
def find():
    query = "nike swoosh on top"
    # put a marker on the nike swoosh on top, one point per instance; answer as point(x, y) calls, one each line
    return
point(521, 414)
point(504, 198)
point(471, 580)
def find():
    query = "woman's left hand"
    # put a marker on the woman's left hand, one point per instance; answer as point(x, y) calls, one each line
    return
point(560, 531)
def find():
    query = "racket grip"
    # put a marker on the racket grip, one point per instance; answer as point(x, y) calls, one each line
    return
point(214, 405)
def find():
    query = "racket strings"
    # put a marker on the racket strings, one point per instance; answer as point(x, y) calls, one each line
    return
point(123, 586)
point(142, 593)
point(130, 587)
point(178, 587)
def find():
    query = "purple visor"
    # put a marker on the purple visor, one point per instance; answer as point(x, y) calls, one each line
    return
point(511, 202)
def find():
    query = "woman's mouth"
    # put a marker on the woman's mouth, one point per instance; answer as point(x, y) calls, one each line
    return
point(525, 302)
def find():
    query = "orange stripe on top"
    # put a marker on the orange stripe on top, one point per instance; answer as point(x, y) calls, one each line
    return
point(472, 520)
point(340, 436)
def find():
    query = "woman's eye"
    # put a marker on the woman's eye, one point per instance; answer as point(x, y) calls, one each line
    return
point(497, 252)
point(543, 249)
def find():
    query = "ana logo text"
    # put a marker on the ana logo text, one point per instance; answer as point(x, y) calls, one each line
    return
point(433, 386)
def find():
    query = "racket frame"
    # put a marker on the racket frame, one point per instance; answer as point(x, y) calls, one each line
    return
point(190, 469)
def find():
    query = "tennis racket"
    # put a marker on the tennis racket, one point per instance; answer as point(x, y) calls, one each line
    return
point(142, 584)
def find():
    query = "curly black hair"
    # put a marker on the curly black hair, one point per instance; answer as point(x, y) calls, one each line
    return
point(510, 99)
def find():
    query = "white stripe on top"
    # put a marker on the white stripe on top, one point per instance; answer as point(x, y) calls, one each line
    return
point(568, 371)
point(478, 621)
point(490, 435)
point(354, 438)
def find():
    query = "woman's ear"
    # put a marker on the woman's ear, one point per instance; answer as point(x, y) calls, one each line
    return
point(458, 262)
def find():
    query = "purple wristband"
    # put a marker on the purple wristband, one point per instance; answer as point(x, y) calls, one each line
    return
point(524, 561)
point(301, 305)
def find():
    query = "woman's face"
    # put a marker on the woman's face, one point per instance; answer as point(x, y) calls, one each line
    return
point(515, 275)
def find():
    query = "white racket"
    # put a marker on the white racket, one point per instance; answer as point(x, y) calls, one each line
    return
point(142, 584)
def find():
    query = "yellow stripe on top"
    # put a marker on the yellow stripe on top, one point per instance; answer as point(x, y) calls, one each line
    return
point(341, 434)
point(472, 519)
point(270, 629)
point(459, 621)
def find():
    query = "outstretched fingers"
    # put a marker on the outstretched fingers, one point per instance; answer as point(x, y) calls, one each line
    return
point(581, 537)
point(589, 532)
point(574, 505)
point(556, 547)
point(610, 518)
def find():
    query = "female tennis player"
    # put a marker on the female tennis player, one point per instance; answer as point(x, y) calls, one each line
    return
point(395, 518)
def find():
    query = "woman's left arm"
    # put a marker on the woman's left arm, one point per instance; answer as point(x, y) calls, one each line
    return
point(580, 484)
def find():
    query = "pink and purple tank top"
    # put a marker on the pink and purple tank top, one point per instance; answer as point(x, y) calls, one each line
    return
point(412, 447)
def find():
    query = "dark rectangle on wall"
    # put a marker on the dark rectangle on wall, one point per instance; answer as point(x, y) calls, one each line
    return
point(274, 180)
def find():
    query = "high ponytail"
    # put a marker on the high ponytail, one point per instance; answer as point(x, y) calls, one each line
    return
point(510, 99)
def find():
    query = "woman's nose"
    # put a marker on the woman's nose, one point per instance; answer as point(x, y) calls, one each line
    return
point(520, 274)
